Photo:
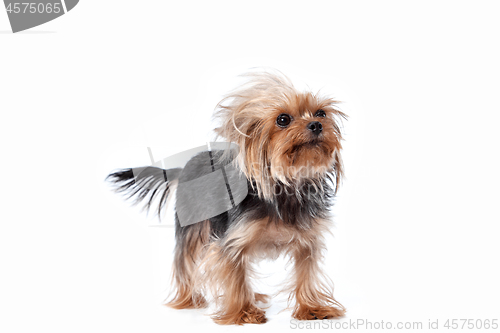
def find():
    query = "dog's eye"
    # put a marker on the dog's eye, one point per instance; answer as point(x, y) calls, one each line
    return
point(283, 120)
point(320, 113)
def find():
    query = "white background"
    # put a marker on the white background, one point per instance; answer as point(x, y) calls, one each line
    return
point(417, 219)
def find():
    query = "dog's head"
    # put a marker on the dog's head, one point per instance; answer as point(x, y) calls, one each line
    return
point(284, 135)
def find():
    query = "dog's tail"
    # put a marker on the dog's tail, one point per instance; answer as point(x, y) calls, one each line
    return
point(145, 185)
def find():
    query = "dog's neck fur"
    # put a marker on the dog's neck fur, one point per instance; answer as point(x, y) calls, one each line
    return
point(298, 204)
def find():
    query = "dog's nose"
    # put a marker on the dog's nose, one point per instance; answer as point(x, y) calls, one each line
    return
point(315, 127)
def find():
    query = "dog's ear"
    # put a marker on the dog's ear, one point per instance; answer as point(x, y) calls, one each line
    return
point(338, 171)
point(338, 164)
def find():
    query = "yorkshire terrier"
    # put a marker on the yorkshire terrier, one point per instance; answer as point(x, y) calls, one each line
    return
point(290, 144)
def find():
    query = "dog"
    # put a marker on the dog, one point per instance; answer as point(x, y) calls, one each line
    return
point(290, 157)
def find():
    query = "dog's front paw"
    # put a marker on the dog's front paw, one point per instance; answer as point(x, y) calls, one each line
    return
point(320, 312)
point(249, 315)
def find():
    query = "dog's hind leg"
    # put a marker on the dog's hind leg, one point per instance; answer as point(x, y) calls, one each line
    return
point(190, 244)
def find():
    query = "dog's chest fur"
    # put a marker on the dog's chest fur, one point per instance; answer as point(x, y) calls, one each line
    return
point(294, 213)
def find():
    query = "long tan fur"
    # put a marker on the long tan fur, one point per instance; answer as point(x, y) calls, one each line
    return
point(205, 263)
